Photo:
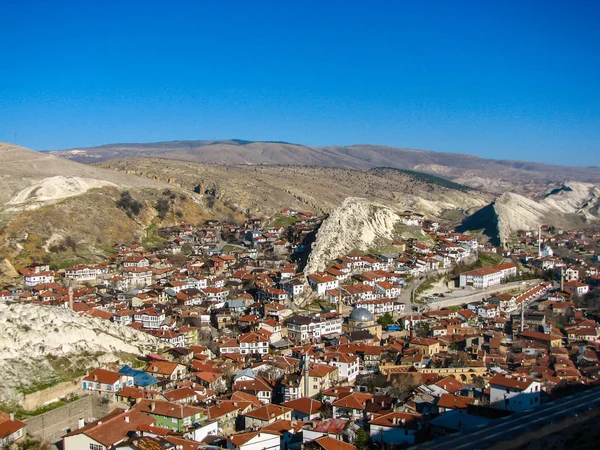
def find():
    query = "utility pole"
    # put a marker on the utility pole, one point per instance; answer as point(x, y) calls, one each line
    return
point(522, 316)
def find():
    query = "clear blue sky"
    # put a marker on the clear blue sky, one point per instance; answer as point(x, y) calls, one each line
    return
point(502, 79)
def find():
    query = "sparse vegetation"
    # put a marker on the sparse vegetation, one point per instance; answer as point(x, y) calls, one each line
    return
point(427, 178)
point(128, 204)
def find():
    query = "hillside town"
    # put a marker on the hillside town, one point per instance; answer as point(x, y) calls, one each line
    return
point(256, 354)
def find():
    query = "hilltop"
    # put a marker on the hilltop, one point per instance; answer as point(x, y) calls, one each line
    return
point(494, 175)
point(63, 212)
point(27, 176)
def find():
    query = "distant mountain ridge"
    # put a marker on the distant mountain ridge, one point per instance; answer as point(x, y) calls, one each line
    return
point(494, 175)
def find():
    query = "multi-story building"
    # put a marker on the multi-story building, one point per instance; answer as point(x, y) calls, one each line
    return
point(381, 306)
point(488, 276)
point(322, 283)
point(312, 327)
point(253, 344)
point(150, 318)
point(514, 393)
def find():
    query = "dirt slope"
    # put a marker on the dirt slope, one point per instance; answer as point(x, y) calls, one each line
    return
point(265, 190)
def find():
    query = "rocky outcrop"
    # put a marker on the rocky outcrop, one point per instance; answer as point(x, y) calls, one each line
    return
point(42, 345)
point(516, 212)
point(356, 224)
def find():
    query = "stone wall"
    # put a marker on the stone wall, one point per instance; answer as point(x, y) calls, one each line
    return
point(35, 400)
point(53, 424)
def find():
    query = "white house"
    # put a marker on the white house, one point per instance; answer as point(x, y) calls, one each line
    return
point(150, 318)
point(34, 276)
point(255, 440)
point(11, 430)
point(312, 327)
point(253, 344)
point(395, 428)
point(348, 365)
point(514, 393)
point(576, 287)
point(322, 283)
point(489, 311)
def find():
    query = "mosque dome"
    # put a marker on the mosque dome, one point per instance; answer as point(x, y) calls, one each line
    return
point(361, 315)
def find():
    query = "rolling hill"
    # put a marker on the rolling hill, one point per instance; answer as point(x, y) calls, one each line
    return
point(493, 175)
point(62, 212)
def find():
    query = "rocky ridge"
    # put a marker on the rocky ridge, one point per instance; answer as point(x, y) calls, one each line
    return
point(356, 224)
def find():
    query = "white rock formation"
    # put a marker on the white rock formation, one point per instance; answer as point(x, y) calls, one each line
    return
point(32, 336)
point(575, 198)
point(52, 189)
point(356, 224)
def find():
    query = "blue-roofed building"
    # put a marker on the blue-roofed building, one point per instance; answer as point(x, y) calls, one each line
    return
point(245, 374)
point(140, 378)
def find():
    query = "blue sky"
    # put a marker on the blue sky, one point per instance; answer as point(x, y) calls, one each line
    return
point(499, 79)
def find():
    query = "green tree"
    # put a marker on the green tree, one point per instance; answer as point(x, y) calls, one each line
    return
point(386, 320)
point(362, 439)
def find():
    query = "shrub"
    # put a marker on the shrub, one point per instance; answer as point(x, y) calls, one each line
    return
point(128, 204)
point(163, 207)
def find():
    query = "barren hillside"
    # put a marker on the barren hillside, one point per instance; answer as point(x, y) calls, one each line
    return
point(267, 189)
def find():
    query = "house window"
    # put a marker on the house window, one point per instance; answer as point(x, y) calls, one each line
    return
point(96, 447)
